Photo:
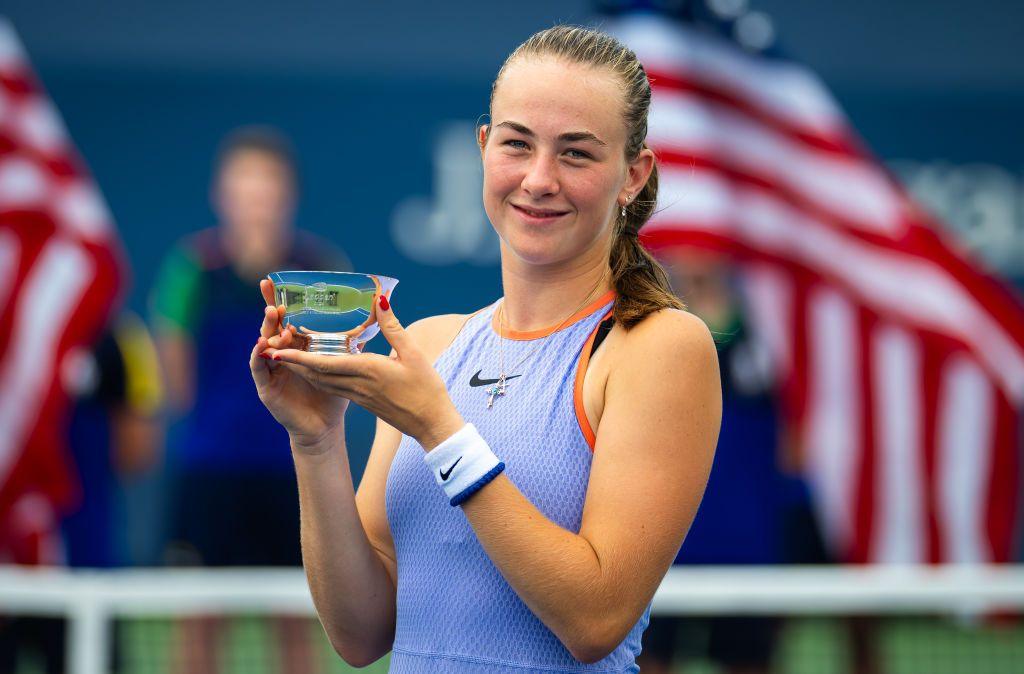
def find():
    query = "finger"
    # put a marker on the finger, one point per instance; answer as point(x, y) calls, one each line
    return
point(289, 338)
point(321, 364)
point(345, 386)
point(265, 351)
point(267, 289)
point(281, 340)
point(351, 387)
point(391, 328)
point(281, 311)
point(259, 366)
point(269, 328)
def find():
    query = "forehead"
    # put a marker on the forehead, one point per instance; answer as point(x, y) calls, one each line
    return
point(254, 159)
point(552, 96)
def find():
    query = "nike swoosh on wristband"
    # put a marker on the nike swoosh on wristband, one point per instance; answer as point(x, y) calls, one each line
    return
point(446, 474)
point(477, 381)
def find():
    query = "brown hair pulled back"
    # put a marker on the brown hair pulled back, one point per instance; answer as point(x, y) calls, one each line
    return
point(640, 282)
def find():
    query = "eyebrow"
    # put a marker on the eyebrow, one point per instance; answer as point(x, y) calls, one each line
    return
point(569, 136)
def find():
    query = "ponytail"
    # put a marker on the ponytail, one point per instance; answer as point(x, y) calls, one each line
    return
point(640, 282)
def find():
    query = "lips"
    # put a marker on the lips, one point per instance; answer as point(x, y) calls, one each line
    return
point(538, 214)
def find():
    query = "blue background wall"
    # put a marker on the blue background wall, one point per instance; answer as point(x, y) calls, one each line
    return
point(148, 89)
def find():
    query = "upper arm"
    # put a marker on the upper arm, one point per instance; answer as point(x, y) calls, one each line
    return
point(172, 305)
point(432, 335)
point(654, 449)
point(176, 291)
point(176, 352)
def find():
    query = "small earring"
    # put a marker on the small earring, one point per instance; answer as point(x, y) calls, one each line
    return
point(624, 206)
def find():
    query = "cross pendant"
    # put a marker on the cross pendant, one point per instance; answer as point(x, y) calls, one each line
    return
point(496, 390)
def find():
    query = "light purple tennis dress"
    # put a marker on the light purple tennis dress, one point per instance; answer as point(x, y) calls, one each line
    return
point(456, 613)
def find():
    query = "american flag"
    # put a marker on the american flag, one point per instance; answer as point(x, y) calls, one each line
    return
point(59, 275)
point(902, 361)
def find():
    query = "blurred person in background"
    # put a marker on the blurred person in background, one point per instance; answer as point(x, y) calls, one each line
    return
point(751, 505)
point(227, 447)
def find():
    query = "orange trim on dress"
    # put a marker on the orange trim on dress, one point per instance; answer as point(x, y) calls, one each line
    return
point(577, 389)
point(524, 335)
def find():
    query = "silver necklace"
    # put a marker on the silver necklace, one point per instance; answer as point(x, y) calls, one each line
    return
point(500, 387)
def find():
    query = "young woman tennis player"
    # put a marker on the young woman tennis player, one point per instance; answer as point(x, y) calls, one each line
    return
point(526, 491)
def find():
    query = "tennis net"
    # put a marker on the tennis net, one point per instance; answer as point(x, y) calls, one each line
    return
point(842, 620)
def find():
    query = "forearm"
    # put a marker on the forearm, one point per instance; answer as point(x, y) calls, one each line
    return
point(556, 572)
point(352, 591)
point(177, 358)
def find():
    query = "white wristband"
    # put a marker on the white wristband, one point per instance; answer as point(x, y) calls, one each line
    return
point(463, 464)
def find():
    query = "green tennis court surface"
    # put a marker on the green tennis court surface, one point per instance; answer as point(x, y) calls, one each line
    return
point(249, 645)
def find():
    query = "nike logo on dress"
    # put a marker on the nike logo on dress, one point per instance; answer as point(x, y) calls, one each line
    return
point(477, 381)
point(445, 474)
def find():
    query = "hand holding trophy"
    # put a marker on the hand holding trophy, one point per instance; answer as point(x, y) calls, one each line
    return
point(312, 318)
point(331, 311)
point(328, 313)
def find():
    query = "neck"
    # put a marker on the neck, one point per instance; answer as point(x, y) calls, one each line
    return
point(539, 297)
point(255, 256)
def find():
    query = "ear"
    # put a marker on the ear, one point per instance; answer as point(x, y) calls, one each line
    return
point(638, 171)
point(481, 137)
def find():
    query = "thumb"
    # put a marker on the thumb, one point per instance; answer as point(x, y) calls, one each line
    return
point(390, 327)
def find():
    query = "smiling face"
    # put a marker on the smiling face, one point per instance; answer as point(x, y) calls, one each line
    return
point(555, 171)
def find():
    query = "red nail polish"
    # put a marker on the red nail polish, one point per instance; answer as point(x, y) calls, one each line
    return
point(384, 303)
point(277, 357)
point(263, 356)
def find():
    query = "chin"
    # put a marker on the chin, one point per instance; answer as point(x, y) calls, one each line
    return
point(536, 251)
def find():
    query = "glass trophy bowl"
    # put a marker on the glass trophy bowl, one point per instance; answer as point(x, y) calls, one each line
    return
point(332, 310)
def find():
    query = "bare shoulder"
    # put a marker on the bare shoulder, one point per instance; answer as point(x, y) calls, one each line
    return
point(669, 334)
point(434, 333)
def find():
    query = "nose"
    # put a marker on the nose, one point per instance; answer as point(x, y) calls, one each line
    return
point(541, 177)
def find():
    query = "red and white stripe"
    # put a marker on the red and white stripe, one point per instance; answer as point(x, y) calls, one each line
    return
point(902, 360)
point(59, 276)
